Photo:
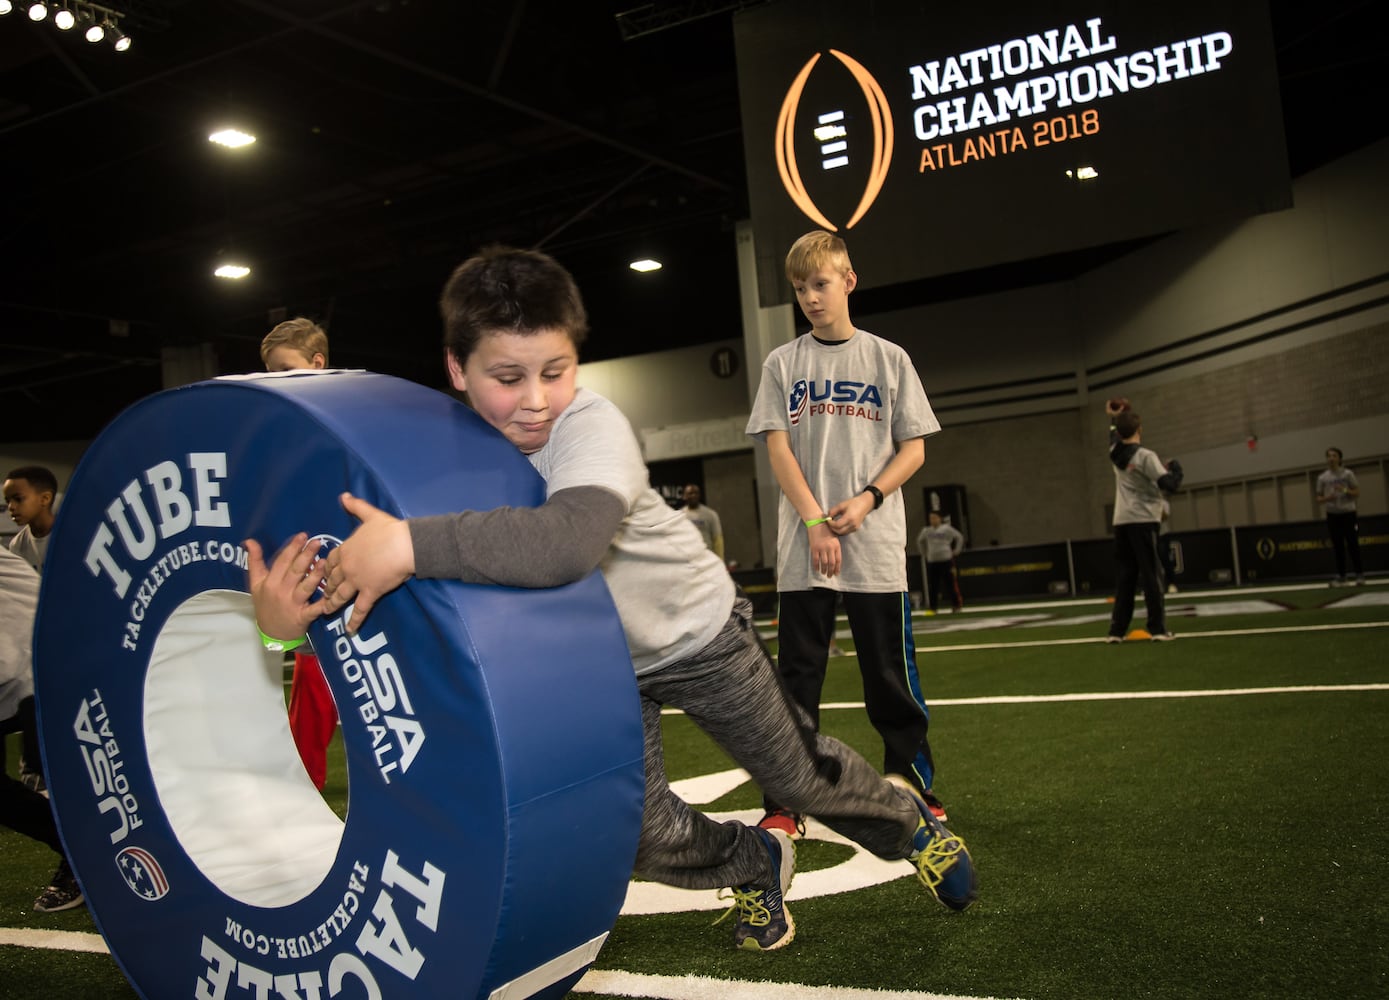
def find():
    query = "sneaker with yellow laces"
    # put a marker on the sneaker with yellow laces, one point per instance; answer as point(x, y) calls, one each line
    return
point(942, 861)
point(764, 922)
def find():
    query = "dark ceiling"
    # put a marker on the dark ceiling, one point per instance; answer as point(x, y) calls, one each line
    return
point(395, 137)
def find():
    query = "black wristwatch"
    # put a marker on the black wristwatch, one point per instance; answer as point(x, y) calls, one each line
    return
point(877, 495)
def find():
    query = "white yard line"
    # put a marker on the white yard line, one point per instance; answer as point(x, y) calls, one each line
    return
point(629, 984)
point(1181, 637)
point(54, 940)
point(1027, 699)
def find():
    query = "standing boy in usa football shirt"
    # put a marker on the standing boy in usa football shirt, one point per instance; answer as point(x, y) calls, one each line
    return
point(844, 417)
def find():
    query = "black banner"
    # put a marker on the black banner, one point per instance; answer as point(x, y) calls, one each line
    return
point(1014, 571)
point(1302, 549)
point(941, 138)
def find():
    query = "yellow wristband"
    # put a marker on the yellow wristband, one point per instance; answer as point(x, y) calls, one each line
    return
point(282, 645)
point(822, 520)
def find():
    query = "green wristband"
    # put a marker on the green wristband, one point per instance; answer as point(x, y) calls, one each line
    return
point(822, 520)
point(282, 645)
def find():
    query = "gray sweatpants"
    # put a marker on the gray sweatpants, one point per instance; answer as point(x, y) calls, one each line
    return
point(732, 691)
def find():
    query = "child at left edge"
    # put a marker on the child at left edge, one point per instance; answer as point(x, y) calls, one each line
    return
point(514, 322)
point(295, 345)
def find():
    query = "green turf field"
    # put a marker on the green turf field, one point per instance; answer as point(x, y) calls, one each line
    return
point(1201, 819)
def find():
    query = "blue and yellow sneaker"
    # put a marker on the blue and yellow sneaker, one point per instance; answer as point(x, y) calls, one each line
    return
point(942, 861)
point(764, 922)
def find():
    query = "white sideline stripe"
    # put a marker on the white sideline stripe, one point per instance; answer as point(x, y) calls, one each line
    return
point(1181, 637)
point(630, 984)
point(1028, 699)
point(1033, 699)
point(1120, 695)
point(54, 940)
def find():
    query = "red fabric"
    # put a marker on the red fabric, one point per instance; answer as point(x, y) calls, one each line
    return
point(313, 716)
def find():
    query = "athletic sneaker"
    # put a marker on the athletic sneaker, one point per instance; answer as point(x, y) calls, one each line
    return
point(764, 922)
point(62, 894)
point(942, 861)
point(1163, 637)
point(1114, 638)
point(787, 822)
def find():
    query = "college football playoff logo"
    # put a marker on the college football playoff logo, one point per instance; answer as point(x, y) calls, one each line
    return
point(834, 140)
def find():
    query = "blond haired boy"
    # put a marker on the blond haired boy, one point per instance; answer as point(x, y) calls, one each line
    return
point(844, 417)
point(293, 345)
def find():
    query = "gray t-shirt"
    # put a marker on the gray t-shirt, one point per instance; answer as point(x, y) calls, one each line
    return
point(19, 601)
point(845, 406)
point(672, 594)
point(30, 548)
point(1137, 498)
point(940, 543)
point(706, 522)
point(1335, 486)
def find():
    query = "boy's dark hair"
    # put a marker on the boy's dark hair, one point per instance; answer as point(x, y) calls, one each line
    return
point(1339, 456)
point(503, 289)
point(1126, 424)
point(37, 476)
point(301, 334)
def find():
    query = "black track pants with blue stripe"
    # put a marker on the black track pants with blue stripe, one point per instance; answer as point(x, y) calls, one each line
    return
point(882, 630)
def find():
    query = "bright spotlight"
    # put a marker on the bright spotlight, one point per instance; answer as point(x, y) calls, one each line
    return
point(644, 265)
point(231, 138)
point(37, 11)
point(233, 272)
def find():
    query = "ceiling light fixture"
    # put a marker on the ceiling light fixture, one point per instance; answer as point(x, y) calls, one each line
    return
point(645, 264)
point(232, 138)
point(232, 272)
point(96, 22)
